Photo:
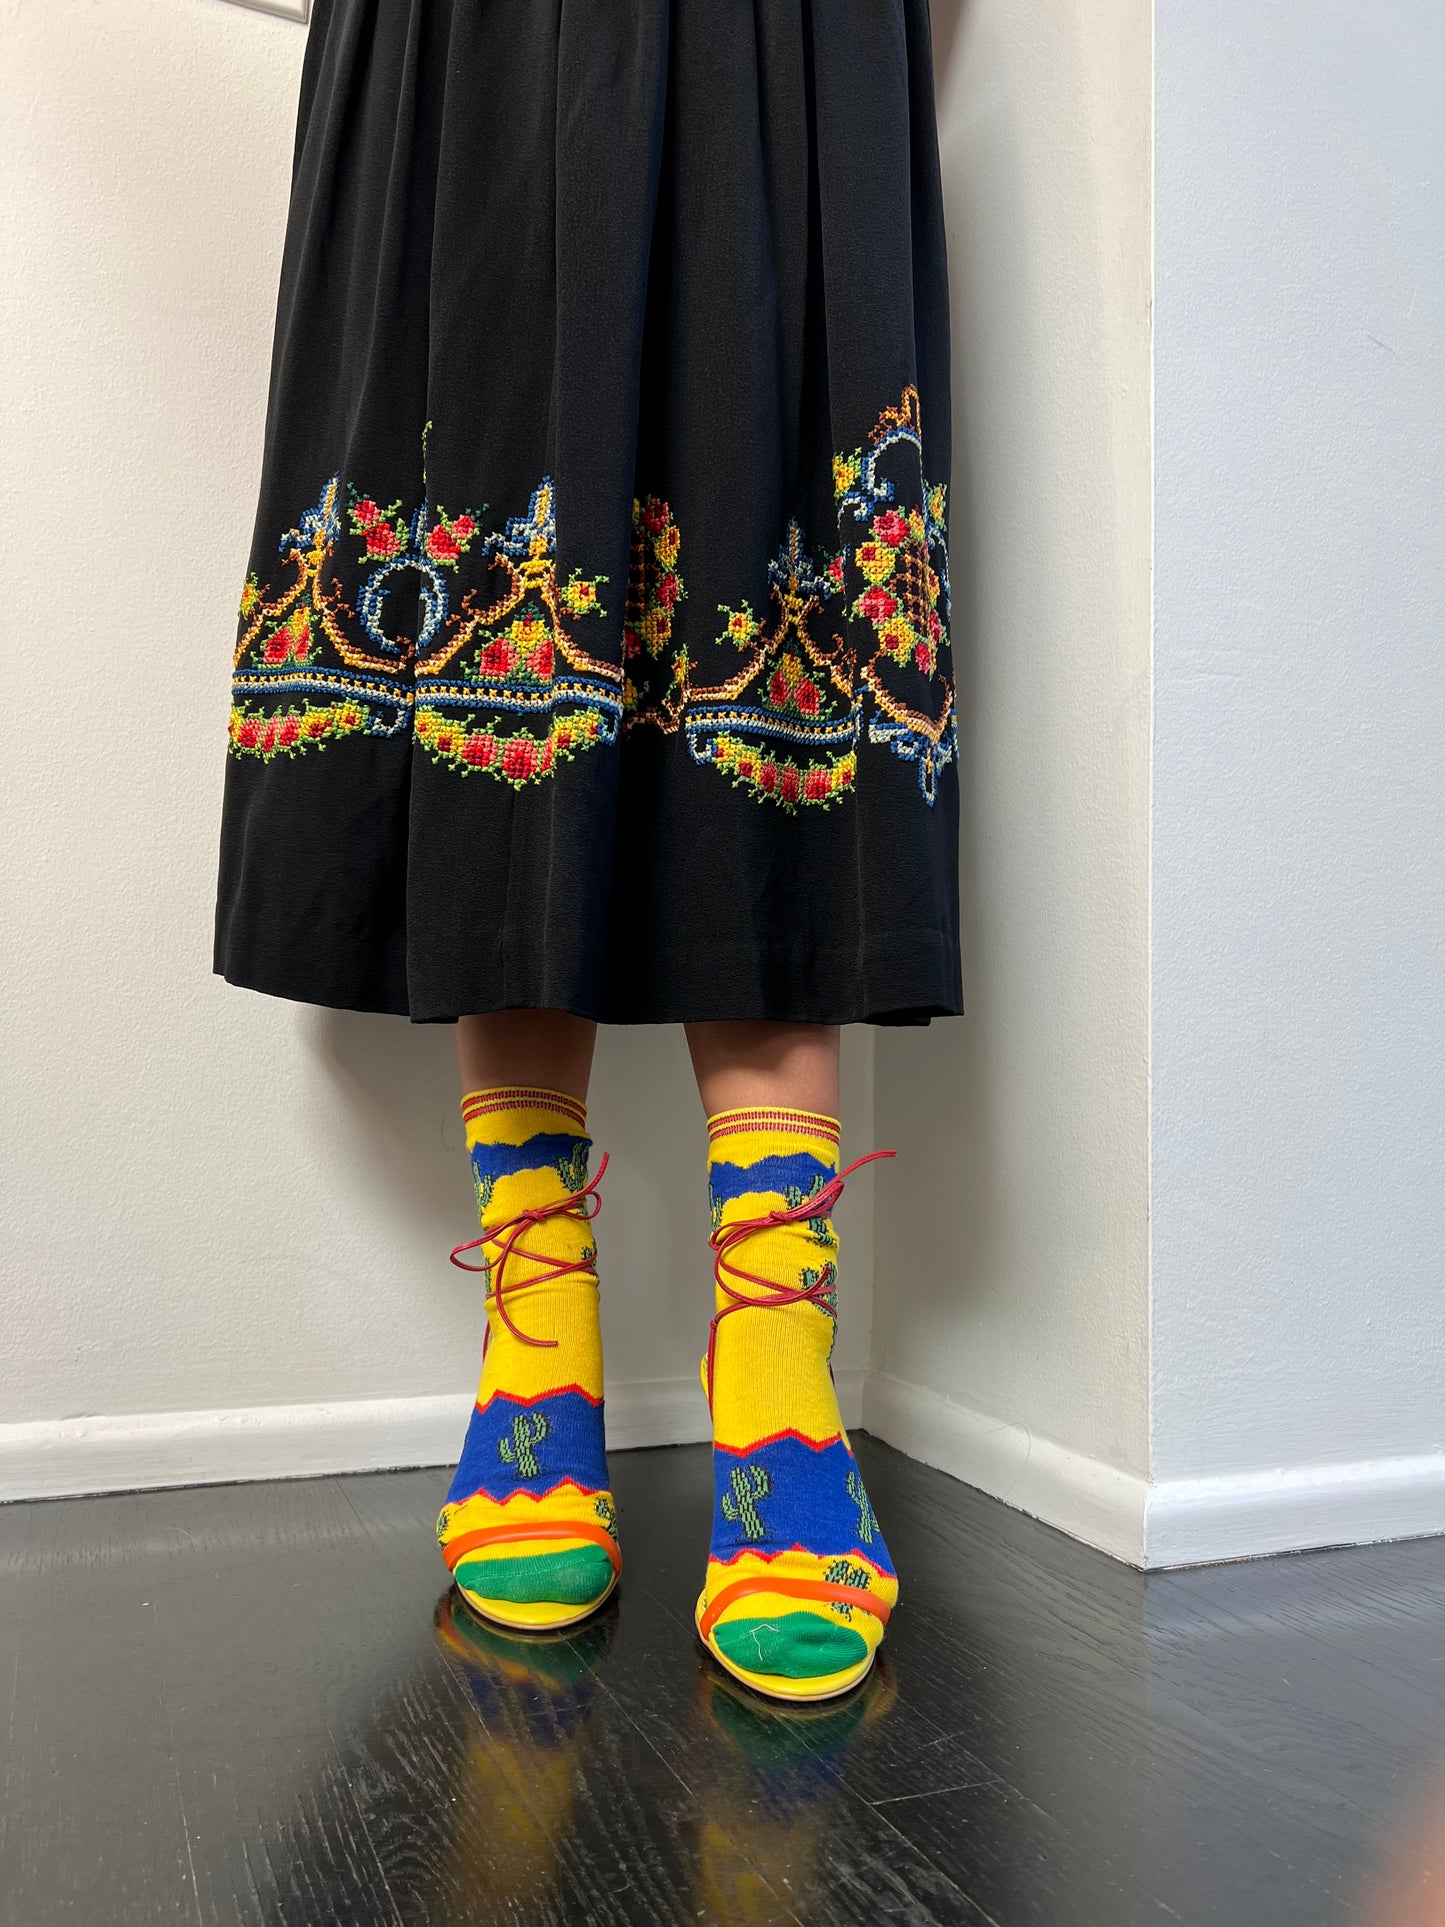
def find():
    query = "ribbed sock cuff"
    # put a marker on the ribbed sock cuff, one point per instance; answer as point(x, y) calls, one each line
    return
point(477, 1105)
point(816, 1124)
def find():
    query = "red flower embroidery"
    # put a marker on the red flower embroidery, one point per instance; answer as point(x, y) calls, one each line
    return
point(815, 788)
point(290, 730)
point(497, 658)
point(477, 750)
point(442, 545)
point(877, 605)
point(654, 517)
point(778, 689)
point(768, 777)
point(464, 528)
point(792, 787)
point(519, 759)
point(668, 590)
point(381, 539)
point(542, 657)
point(890, 527)
point(367, 514)
point(807, 698)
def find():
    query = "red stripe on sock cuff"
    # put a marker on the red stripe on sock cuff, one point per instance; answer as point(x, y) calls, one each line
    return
point(523, 1098)
point(810, 1123)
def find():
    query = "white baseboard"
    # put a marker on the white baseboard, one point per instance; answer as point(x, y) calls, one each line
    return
point(1168, 1522)
point(1172, 1522)
point(1293, 1508)
point(64, 1458)
point(1084, 1497)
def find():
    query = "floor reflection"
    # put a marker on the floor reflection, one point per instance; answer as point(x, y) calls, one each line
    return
point(246, 1707)
point(516, 1782)
point(777, 1790)
point(737, 1816)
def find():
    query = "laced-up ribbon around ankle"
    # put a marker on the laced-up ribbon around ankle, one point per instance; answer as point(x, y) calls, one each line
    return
point(584, 1204)
point(729, 1275)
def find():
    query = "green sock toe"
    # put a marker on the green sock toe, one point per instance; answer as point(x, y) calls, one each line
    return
point(795, 1645)
point(553, 1578)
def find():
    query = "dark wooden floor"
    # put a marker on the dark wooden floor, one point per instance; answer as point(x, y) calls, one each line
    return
point(257, 1704)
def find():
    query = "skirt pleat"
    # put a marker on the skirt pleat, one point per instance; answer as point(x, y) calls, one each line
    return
point(594, 652)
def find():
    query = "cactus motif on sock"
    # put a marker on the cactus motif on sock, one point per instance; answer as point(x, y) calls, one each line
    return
point(572, 1168)
point(867, 1523)
point(750, 1483)
point(528, 1431)
point(828, 1278)
point(843, 1572)
point(607, 1513)
point(821, 1228)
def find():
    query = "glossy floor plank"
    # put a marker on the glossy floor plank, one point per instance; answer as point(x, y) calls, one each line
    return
point(261, 1705)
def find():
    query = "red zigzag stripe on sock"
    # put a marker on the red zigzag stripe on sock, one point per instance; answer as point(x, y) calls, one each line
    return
point(773, 1438)
point(515, 1398)
point(562, 1485)
point(752, 1552)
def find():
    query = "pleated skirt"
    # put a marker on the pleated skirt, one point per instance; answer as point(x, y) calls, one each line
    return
point(594, 649)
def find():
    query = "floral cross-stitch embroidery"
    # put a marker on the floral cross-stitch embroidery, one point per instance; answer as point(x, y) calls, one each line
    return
point(497, 683)
point(473, 645)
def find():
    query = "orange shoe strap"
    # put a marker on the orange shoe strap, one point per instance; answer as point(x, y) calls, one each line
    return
point(792, 1589)
point(457, 1549)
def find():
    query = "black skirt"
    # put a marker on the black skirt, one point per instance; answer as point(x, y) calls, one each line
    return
point(594, 653)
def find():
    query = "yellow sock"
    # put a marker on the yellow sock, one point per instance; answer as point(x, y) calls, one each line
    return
point(529, 1527)
point(799, 1583)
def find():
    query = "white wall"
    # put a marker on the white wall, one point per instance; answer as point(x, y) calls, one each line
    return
point(216, 1204)
point(1221, 1026)
point(1012, 1265)
point(1299, 810)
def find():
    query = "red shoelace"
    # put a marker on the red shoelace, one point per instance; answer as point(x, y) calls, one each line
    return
point(820, 1205)
point(584, 1204)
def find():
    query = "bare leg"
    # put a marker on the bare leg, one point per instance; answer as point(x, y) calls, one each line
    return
point(787, 1066)
point(540, 1049)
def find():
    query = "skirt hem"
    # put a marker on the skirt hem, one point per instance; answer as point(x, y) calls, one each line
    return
point(886, 990)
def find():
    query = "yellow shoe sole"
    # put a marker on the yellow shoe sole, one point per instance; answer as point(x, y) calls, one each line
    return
point(538, 1616)
point(778, 1686)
